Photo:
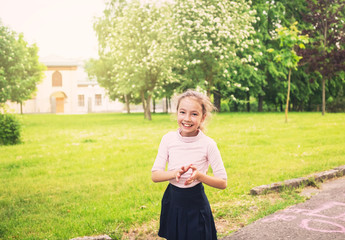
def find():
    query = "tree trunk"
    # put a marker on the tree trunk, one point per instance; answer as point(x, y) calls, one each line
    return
point(148, 108)
point(166, 105)
point(235, 107)
point(216, 100)
point(169, 102)
point(127, 104)
point(323, 96)
point(21, 108)
point(248, 102)
point(144, 103)
point(288, 97)
point(154, 105)
point(208, 92)
point(260, 103)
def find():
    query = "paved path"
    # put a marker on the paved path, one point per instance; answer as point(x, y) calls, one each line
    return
point(322, 217)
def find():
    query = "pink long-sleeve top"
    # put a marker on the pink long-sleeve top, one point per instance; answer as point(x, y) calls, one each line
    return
point(178, 151)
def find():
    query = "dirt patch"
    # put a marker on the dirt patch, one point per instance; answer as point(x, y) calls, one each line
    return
point(147, 231)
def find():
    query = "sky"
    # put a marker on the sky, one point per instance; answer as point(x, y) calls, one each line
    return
point(62, 28)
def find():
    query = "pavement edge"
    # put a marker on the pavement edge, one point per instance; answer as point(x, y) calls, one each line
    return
point(297, 182)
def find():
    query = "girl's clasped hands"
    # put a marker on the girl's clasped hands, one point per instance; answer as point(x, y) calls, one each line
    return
point(185, 169)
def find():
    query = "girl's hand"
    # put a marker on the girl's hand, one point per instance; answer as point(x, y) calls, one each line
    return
point(194, 176)
point(182, 171)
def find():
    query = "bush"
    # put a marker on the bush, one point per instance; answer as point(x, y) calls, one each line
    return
point(9, 129)
point(224, 107)
point(336, 105)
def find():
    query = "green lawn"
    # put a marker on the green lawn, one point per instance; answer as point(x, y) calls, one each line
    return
point(77, 175)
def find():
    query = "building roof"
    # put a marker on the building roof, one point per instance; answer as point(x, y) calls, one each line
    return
point(54, 60)
point(58, 61)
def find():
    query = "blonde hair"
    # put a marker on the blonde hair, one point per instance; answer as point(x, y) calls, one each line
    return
point(205, 102)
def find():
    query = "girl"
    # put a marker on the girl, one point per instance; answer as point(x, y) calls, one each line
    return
point(186, 212)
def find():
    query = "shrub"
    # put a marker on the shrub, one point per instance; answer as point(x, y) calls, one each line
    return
point(224, 107)
point(9, 129)
point(336, 105)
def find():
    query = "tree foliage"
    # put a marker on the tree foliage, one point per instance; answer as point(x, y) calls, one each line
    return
point(208, 35)
point(153, 49)
point(271, 15)
point(289, 39)
point(136, 45)
point(20, 69)
point(326, 27)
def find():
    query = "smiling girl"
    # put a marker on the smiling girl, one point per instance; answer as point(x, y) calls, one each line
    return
point(186, 212)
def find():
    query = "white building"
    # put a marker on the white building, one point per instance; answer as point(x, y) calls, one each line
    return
point(66, 88)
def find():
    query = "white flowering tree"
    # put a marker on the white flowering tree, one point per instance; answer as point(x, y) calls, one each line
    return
point(135, 42)
point(208, 35)
point(246, 75)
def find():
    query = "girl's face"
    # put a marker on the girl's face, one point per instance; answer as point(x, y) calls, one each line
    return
point(189, 116)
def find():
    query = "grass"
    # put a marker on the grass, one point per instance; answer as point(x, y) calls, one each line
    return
point(77, 175)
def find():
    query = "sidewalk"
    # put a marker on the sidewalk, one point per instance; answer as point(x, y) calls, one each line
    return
point(322, 217)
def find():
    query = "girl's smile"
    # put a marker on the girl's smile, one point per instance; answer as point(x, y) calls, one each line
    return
point(189, 116)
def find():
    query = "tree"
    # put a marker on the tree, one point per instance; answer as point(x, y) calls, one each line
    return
point(325, 57)
point(208, 34)
point(287, 56)
point(101, 69)
point(247, 78)
point(136, 43)
point(271, 15)
point(20, 69)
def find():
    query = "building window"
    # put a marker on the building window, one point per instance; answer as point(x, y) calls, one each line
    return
point(81, 102)
point(98, 99)
point(57, 79)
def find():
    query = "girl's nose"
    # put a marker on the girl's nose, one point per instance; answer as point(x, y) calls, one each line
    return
point(188, 117)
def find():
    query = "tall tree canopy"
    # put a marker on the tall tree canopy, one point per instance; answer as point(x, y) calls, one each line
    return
point(271, 15)
point(208, 35)
point(326, 56)
point(152, 49)
point(135, 43)
point(290, 39)
point(20, 69)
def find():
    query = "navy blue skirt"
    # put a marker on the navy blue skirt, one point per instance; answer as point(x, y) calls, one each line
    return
point(186, 214)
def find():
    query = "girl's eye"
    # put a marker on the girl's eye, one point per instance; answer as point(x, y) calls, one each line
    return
point(182, 112)
point(195, 114)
